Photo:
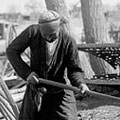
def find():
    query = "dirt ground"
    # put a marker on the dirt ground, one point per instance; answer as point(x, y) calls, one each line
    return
point(90, 108)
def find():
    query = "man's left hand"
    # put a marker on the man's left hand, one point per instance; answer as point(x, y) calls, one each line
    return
point(83, 87)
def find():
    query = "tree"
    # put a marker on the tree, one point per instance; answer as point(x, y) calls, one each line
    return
point(95, 31)
point(118, 6)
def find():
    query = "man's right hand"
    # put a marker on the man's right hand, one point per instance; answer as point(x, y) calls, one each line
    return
point(31, 79)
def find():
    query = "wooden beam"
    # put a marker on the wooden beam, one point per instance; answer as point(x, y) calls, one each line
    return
point(100, 45)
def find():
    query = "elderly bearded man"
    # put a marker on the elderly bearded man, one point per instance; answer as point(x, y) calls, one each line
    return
point(52, 51)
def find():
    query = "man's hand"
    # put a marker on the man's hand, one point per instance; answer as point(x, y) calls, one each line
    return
point(83, 87)
point(31, 79)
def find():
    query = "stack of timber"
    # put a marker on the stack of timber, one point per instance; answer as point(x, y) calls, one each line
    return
point(11, 98)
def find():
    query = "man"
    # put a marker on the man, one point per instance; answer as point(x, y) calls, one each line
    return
point(52, 51)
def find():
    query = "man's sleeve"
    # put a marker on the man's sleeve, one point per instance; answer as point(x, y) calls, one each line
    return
point(14, 51)
point(75, 73)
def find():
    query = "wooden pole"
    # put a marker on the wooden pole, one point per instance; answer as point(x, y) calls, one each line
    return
point(3, 113)
point(75, 89)
point(7, 106)
point(6, 112)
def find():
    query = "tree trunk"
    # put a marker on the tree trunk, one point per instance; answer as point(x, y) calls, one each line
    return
point(60, 7)
point(95, 32)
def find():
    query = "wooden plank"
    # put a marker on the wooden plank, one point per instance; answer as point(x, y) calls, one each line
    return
point(100, 45)
point(103, 82)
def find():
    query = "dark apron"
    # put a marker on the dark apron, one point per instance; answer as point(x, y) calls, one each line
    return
point(60, 105)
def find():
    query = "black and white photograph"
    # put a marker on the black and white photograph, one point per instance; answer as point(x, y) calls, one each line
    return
point(59, 59)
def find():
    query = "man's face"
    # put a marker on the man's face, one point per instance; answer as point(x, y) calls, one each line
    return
point(50, 31)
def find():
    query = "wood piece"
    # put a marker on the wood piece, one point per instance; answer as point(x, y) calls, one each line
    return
point(22, 83)
point(4, 115)
point(7, 114)
point(18, 97)
point(18, 90)
point(100, 45)
point(9, 97)
point(103, 82)
point(7, 106)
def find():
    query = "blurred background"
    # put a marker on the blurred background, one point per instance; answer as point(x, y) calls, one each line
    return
point(26, 12)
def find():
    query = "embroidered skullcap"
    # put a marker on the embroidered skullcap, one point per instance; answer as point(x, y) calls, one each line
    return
point(48, 16)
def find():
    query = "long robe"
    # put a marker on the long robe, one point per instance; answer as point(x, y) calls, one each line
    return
point(57, 104)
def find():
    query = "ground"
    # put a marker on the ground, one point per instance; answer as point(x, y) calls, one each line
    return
point(90, 108)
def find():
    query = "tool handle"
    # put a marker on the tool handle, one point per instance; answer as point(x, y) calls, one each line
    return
point(75, 89)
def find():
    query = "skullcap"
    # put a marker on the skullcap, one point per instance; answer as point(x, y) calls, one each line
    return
point(48, 16)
